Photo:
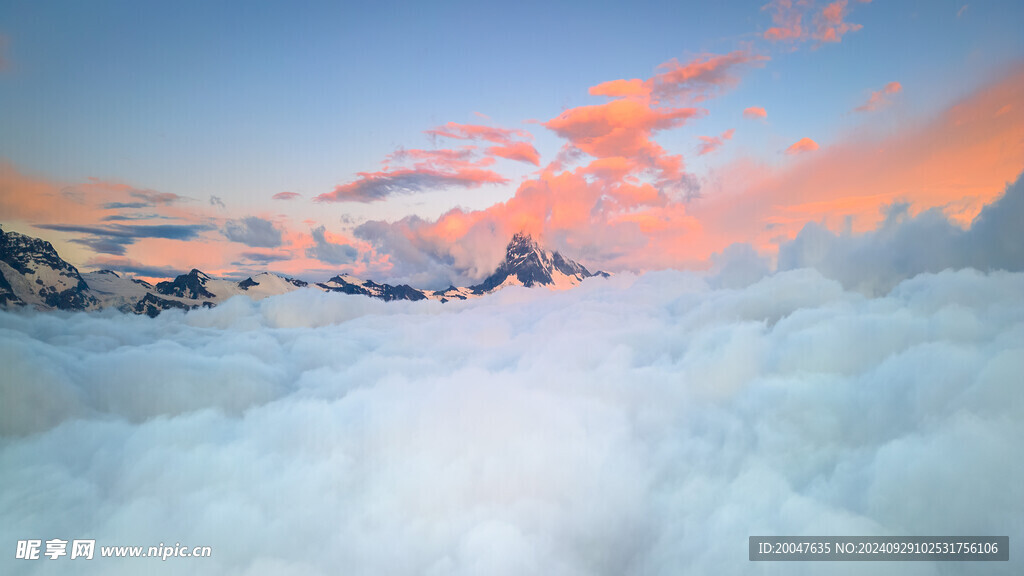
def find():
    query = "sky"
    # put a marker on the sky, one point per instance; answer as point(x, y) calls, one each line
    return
point(409, 142)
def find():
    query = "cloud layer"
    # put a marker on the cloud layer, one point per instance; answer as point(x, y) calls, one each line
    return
point(633, 425)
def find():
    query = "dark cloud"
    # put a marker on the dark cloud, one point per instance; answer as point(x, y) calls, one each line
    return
point(119, 205)
point(379, 186)
point(113, 238)
point(131, 217)
point(264, 258)
point(254, 232)
point(135, 231)
point(154, 197)
point(329, 252)
point(105, 244)
point(216, 201)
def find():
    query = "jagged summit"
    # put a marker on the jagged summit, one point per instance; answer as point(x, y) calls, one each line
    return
point(191, 285)
point(527, 264)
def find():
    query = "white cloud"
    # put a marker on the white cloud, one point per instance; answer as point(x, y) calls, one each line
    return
point(641, 425)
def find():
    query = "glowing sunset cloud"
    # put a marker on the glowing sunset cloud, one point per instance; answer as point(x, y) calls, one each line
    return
point(802, 145)
point(755, 112)
point(958, 161)
point(431, 169)
point(626, 172)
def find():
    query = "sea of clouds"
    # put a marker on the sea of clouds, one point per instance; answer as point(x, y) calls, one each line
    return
point(633, 425)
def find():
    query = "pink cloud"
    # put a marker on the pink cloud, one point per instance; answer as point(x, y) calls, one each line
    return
point(790, 18)
point(830, 24)
point(510, 144)
point(755, 112)
point(709, 144)
point(519, 151)
point(879, 97)
point(626, 206)
point(478, 132)
point(787, 19)
point(620, 88)
point(958, 161)
point(431, 169)
point(801, 146)
point(286, 196)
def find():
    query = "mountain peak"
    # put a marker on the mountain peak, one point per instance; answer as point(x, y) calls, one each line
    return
point(528, 264)
point(521, 244)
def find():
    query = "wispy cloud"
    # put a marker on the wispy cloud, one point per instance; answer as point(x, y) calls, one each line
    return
point(329, 252)
point(880, 98)
point(800, 21)
point(709, 144)
point(431, 169)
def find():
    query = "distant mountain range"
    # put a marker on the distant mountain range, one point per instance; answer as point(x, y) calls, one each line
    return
point(33, 274)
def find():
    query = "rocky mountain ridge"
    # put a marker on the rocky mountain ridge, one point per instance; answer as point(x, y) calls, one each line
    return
point(33, 274)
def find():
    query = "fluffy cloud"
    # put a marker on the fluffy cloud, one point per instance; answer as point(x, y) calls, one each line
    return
point(625, 208)
point(328, 252)
point(905, 246)
point(632, 425)
point(253, 231)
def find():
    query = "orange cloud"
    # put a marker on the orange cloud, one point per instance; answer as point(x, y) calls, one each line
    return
point(507, 144)
point(878, 97)
point(620, 88)
point(787, 19)
point(431, 169)
point(755, 112)
point(801, 146)
point(958, 161)
point(709, 144)
point(828, 25)
point(519, 151)
point(286, 196)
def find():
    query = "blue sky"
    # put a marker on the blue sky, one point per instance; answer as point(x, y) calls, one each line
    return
point(242, 101)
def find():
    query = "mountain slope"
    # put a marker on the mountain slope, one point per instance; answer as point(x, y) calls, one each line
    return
point(32, 273)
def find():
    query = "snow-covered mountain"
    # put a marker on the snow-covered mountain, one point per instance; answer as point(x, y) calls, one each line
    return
point(33, 274)
point(525, 264)
point(185, 292)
